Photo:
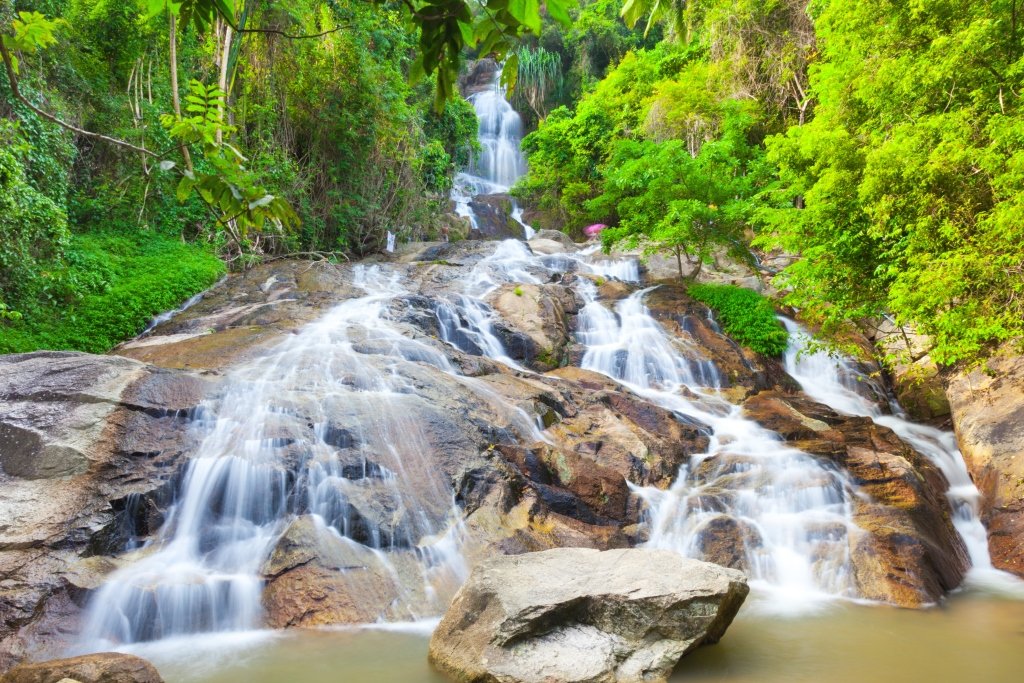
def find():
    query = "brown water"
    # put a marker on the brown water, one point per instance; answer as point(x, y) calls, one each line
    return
point(971, 638)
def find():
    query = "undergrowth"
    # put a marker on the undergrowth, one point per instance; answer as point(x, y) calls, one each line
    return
point(124, 280)
point(745, 315)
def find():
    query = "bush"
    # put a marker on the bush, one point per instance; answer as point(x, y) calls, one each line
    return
point(126, 279)
point(746, 316)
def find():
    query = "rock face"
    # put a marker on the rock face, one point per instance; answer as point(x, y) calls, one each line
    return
point(909, 554)
point(494, 218)
point(584, 616)
point(541, 313)
point(988, 413)
point(105, 667)
point(90, 447)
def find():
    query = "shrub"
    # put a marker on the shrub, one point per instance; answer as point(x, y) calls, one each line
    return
point(745, 315)
point(126, 281)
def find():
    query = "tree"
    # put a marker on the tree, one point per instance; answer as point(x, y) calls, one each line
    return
point(665, 199)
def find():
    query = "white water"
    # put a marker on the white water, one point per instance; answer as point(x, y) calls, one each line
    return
point(834, 381)
point(260, 465)
point(500, 162)
point(793, 515)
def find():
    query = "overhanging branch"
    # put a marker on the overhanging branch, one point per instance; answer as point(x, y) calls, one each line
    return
point(13, 80)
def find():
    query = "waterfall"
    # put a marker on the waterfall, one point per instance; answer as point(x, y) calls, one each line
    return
point(834, 382)
point(500, 162)
point(322, 425)
point(790, 517)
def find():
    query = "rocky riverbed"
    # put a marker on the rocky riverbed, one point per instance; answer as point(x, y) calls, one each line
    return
point(530, 449)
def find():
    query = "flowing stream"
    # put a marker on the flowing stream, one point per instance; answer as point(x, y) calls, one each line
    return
point(500, 162)
point(273, 450)
point(269, 453)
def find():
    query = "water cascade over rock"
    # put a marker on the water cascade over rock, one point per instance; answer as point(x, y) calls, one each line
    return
point(319, 427)
point(481, 192)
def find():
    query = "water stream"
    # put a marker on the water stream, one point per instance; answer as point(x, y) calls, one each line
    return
point(318, 426)
point(323, 427)
point(500, 162)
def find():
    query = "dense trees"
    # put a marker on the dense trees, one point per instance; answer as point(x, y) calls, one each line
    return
point(878, 143)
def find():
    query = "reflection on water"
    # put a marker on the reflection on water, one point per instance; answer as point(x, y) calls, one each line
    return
point(972, 638)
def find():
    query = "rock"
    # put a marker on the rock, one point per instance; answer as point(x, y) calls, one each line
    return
point(317, 577)
point(539, 245)
point(90, 447)
point(105, 667)
point(910, 554)
point(494, 218)
point(541, 313)
point(556, 236)
point(478, 76)
point(741, 371)
point(916, 380)
point(579, 615)
point(988, 415)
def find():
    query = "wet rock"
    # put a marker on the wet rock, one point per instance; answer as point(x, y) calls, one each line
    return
point(556, 236)
point(541, 313)
point(317, 577)
point(104, 667)
point(689, 320)
point(90, 448)
point(726, 541)
point(625, 615)
point(494, 218)
point(988, 414)
point(910, 553)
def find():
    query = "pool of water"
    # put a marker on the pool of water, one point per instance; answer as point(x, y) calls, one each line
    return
point(973, 637)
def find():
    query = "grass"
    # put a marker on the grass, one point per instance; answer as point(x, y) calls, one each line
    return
point(745, 315)
point(130, 279)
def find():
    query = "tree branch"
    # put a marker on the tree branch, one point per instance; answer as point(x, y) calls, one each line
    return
point(13, 80)
point(290, 36)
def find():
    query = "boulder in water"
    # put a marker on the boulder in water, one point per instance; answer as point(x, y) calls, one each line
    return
point(580, 615)
point(104, 667)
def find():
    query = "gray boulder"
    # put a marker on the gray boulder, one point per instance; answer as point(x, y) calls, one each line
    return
point(584, 616)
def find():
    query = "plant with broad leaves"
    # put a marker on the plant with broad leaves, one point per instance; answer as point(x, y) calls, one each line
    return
point(32, 32)
point(246, 212)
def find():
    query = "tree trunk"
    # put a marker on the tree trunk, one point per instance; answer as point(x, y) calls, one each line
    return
point(679, 262)
point(223, 82)
point(175, 97)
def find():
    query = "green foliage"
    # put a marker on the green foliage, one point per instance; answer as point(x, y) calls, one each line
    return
point(745, 315)
point(661, 196)
point(903, 195)
point(123, 281)
point(33, 230)
point(540, 75)
point(241, 204)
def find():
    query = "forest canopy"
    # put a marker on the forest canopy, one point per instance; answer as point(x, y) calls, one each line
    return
point(876, 145)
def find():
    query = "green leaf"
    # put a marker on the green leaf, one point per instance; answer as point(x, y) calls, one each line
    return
point(559, 11)
point(510, 72)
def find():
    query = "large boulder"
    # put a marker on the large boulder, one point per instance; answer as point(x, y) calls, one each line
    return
point(584, 616)
point(541, 313)
point(90, 448)
point(988, 414)
point(910, 554)
point(104, 667)
point(494, 218)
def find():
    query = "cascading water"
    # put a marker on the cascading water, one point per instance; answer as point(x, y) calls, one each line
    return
point(834, 382)
point(500, 162)
point(791, 515)
point(320, 426)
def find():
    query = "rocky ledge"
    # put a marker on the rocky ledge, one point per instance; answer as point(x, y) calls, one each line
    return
point(584, 616)
point(105, 667)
